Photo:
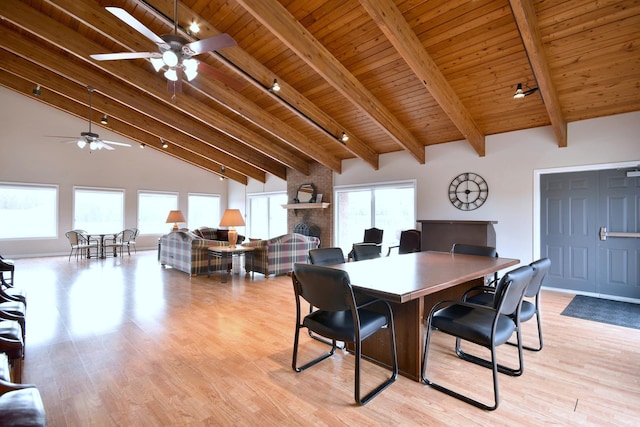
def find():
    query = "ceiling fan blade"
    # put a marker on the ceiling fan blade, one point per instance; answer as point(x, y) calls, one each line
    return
point(122, 144)
point(125, 55)
point(220, 76)
point(135, 24)
point(212, 43)
point(105, 146)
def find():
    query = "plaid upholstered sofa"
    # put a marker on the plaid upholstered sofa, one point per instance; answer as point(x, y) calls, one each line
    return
point(277, 255)
point(187, 251)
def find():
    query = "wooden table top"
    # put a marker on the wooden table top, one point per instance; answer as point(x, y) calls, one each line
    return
point(402, 278)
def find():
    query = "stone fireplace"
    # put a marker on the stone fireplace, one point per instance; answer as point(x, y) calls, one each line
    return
point(312, 220)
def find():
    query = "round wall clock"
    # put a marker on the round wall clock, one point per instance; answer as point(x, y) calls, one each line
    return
point(468, 191)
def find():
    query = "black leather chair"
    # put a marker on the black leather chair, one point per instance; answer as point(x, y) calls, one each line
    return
point(371, 236)
point(12, 344)
point(463, 248)
point(364, 251)
point(484, 295)
point(20, 404)
point(326, 256)
point(15, 311)
point(6, 266)
point(410, 241)
point(339, 318)
point(487, 326)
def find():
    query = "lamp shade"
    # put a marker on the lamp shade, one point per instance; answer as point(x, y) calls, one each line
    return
point(175, 217)
point(232, 218)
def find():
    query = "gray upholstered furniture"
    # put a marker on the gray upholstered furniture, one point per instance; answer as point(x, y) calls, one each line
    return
point(188, 251)
point(277, 255)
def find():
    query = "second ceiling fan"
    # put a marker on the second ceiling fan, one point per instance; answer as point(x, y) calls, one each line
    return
point(175, 54)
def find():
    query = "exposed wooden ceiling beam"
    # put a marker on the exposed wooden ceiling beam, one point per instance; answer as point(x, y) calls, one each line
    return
point(156, 114)
point(390, 20)
point(279, 21)
point(527, 23)
point(62, 37)
point(212, 88)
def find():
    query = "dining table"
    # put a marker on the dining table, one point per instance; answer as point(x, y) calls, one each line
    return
point(413, 283)
point(100, 238)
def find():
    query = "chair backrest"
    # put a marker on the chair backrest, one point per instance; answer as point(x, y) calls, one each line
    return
point(362, 251)
point(323, 287)
point(540, 269)
point(510, 290)
point(463, 248)
point(135, 233)
point(326, 256)
point(128, 235)
point(373, 235)
point(410, 241)
point(73, 237)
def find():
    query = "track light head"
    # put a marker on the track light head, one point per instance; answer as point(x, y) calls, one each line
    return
point(36, 90)
point(275, 87)
point(344, 137)
point(520, 93)
point(165, 144)
point(104, 120)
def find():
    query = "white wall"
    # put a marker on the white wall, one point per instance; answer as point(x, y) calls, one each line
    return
point(27, 155)
point(513, 160)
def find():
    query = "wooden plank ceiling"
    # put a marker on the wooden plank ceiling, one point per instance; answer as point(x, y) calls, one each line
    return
point(392, 75)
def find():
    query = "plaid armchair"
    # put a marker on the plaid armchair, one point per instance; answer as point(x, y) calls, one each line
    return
point(188, 252)
point(277, 255)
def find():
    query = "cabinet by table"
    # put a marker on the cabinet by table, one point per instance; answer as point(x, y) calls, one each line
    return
point(440, 235)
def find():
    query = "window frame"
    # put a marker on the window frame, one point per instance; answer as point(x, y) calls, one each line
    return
point(55, 214)
point(140, 226)
point(121, 191)
point(215, 223)
point(269, 196)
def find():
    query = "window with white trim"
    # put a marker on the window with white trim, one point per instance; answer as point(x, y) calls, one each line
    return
point(203, 210)
point(98, 210)
point(28, 211)
point(153, 209)
point(266, 218)
point(390, 207)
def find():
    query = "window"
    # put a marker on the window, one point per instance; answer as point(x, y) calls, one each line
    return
point(98, 210)
point(390, 207)
point(30, 210)
point(153, 209)
point(266, 216)
point(203, 210)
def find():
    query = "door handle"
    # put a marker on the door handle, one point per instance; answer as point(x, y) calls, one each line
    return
point(604, 234)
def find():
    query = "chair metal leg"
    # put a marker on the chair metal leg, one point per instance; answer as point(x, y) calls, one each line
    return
point(476, 403)
point(394, 375)
point(294, 362)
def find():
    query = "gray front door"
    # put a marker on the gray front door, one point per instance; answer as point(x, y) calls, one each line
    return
point(573, 208)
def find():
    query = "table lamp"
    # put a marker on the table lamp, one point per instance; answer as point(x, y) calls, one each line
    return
point(175, 217)
point(232, 218)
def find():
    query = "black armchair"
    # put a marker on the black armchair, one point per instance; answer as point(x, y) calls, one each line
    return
point(487, 326)
point(6, 266)
point(326, 256)
point(364, 251)
point(339, 318)
point(462, 248)
point(410, 241)
point(484, 295)
point(371, 236)
point(12, 344)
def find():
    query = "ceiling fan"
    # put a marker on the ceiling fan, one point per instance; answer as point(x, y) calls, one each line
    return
point(93, 140)
point(175, 54)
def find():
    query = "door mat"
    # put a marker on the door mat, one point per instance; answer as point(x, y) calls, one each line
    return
point(617, 313)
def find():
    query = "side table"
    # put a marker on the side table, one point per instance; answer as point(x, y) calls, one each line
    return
point(226, 253)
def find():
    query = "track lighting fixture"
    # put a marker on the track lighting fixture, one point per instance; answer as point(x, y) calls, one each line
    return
point(520, 93)
point(142, 145)
point(275, 87)
point(104, 120)
point(36, 90)
point(165, 144)
point(344, 137)
point(223, 170)
point(194, 28)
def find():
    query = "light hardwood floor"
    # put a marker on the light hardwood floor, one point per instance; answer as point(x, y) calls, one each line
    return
point(125, 342)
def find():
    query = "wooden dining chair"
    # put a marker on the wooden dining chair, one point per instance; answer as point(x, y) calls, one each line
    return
point(410, 241)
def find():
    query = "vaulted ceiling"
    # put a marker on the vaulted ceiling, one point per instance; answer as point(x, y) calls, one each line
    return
point(391, 74)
